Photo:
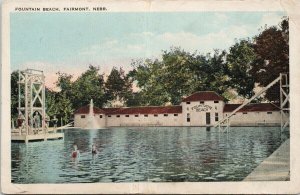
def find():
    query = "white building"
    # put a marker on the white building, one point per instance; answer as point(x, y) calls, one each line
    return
point(203, 108)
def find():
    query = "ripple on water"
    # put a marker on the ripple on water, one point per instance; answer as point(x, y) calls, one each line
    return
point(151, 154)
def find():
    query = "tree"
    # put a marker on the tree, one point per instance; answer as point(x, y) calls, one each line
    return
point(178, 74)
point(14, 94)
point(135, 99)
point(118, 86)
point(239, 60)
point(63, 108)
point(51, 106)
point(212, 73)
point(89, 85)
point(271, 47)
point(148, 75)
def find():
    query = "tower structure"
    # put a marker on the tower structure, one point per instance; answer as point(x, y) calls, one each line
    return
point(284, 101)
point(31, 105)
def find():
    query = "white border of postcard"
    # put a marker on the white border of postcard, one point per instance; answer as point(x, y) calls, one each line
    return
point(292, 8)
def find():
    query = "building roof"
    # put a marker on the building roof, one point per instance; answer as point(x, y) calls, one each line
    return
point(132, 110)
point(86, 110)
point(146, 110)
point(110, 110)
point(259, 107)
point(203, 96)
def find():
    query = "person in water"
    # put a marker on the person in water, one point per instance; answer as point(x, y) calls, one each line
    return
point(75, 153)
point(94, 150)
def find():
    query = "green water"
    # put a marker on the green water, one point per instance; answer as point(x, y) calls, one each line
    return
point(173, 154)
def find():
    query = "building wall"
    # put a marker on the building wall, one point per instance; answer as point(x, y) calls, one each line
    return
point(142, 120)
point(82, 122)
point(197, 112)
point(255, 118)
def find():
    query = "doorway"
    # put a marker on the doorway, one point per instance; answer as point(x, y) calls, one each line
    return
point(208, 118)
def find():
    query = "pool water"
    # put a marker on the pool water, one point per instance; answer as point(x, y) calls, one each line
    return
point(154, 154)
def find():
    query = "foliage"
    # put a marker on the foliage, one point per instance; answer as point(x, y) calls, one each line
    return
point(14, 94)
point(118, 86)
point(271, 47)
point(63, 107)
point(178, 74)
point(239, 60)
point(90, 85)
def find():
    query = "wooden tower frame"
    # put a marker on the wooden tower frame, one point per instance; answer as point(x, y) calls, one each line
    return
point(32, 100)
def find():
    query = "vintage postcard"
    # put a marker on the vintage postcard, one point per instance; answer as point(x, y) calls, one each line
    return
point(150, 97)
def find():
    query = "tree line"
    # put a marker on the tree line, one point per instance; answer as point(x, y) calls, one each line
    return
point(248, 63)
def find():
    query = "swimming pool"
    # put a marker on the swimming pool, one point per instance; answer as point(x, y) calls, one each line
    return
point(152, 154)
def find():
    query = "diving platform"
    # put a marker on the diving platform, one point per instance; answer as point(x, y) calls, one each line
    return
point(224, 124)
point(33, 121)
point(36, 135)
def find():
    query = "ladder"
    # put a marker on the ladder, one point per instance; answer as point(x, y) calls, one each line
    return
point(224, 124)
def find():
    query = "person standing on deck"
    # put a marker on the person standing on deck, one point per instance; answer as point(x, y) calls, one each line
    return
point(55, 121)
point(36, 120)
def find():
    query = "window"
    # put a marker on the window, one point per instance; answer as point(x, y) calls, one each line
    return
point(244, 112)
point(175, 114)
point(155, 115)
point(216, 116)
point(188, 119)
point(187, 108)
point(146, 115)
point(127, 115)
point(201, 102)
point(216, 101)
point(100, 115)
point(269, 112)
point(82, 116)
point(165, 114)
point(136, 115)
point(118, 116)
point(188, 102)
point(109, 115)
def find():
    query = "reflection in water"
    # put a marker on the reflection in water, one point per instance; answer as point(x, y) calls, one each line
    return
point(148, 154)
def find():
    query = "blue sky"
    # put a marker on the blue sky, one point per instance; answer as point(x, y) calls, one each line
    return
point(69, 42)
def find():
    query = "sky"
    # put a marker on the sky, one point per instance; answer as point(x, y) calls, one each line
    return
point(69, 42)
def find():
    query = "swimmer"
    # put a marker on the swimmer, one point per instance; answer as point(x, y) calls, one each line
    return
point(94, 150)
point(75, 153)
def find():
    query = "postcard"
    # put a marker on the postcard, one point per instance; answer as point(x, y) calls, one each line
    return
point(151, 97)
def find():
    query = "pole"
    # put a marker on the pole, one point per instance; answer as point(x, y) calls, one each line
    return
point(44, 104)
point(26, 106)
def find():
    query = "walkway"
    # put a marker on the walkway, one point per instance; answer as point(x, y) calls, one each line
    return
point(274, 168)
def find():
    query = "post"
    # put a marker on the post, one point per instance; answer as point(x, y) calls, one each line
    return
point(281, 107)
point(19, 90)
point(26, 106)
point(44, 105)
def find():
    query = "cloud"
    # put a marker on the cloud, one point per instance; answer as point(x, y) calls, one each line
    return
point(222, 39)
point(270, 19)
point(149, 45)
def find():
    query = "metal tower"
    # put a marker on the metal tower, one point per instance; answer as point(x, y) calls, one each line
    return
point(32, 98)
